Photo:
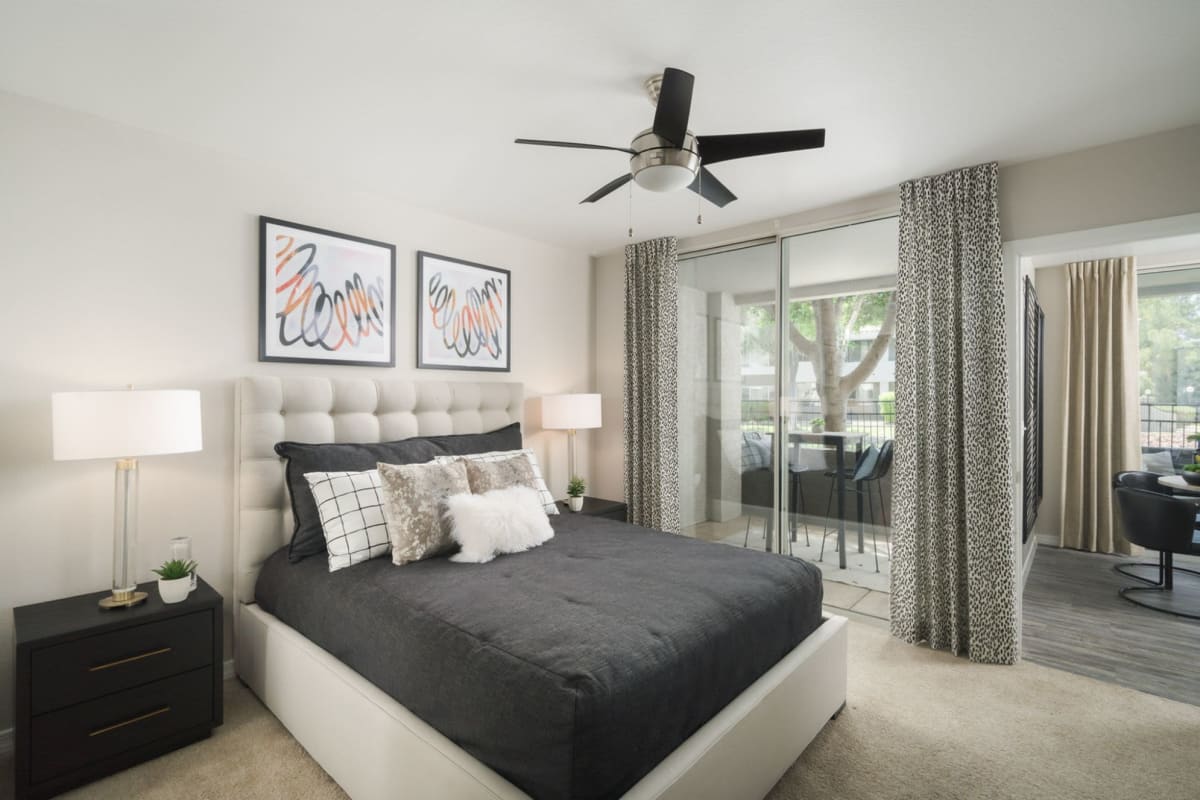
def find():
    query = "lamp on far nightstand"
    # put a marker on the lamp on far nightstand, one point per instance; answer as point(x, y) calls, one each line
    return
point(570, 413)
point(124, 425)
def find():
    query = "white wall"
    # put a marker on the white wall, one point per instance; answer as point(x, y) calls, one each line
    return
point(131, 258)
point(1151, 177)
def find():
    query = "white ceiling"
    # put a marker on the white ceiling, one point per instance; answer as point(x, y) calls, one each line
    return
point(422, 100)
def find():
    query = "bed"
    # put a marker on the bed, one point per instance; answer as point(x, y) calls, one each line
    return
point(717, 687)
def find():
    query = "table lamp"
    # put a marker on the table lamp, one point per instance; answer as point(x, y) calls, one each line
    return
point(570, 413)
point(124, 425)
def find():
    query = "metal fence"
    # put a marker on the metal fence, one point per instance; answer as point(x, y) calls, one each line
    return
point(874, 418)
point(1166, 426)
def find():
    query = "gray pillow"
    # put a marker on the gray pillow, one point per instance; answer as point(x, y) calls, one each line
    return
point(413, 498)
point(308, 538)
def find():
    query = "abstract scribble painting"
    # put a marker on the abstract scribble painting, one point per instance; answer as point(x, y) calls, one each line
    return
point(463, 315)
point(325, 297)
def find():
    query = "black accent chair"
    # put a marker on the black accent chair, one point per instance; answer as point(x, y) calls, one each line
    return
point(863, 466)
point(1166, 524)
point(1146, 481)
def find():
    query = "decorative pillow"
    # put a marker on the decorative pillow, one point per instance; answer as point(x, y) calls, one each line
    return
point(505, 473)
point(497, 522)
point(351, 509)
point(1159, 463)
point(548, 504)
point(756, 451)
point(308, 539)
point(412, 506)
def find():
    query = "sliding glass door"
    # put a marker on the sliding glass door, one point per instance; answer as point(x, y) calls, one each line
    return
point(810, 388)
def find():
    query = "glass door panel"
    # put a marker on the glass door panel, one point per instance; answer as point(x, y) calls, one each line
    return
point(838, 383)
point(728, 348)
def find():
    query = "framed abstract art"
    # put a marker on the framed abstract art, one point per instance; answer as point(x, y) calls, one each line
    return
point(325, 297)
point(464, 319)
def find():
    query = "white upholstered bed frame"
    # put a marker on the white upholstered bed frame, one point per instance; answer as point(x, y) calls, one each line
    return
point(376, 748)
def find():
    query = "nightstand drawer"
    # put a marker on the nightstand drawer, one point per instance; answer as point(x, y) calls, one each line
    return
point(76, 736)
point(109, 662)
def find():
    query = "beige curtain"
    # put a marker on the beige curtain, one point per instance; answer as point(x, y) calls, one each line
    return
point(1100, 412)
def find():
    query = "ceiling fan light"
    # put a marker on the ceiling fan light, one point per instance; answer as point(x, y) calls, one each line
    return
point(664, 177)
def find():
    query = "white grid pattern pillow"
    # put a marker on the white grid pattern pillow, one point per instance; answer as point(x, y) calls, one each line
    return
point(351, 509)
point(539, 483)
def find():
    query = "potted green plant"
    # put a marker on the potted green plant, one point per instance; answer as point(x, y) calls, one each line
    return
point(175, 580)
point(1191, 474)
point(575, 490)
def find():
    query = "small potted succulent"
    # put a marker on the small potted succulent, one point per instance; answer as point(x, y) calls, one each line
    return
point(175, 580)
point(1191, 474)
point(575, 490)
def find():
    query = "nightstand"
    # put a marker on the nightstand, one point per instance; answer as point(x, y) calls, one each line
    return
point(101, 690)
point(595, 507)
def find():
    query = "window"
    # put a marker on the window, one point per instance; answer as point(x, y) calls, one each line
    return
point(1169, 355)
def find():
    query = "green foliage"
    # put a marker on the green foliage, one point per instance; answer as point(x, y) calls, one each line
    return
point(887, 406)
point(576, 487)
point(1169, 347)
point(1191, 467)
point(175, 569)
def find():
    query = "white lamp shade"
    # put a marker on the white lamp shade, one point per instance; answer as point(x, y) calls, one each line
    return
point(125, 424)
point(570, 411)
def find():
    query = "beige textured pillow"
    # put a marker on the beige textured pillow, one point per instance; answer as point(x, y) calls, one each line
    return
point(412, 507)
point(484, 476)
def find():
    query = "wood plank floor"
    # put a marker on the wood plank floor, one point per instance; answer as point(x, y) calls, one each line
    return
point(1074, 620)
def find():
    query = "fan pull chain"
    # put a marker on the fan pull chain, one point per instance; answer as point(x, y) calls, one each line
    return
point(700, 197)
point(631, 209)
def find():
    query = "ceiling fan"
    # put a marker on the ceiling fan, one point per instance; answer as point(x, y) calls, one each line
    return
point(667, 156)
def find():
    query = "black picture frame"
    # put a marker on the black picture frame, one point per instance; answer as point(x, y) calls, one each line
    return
point(424, 256)
point(389, 297)
point(1033, 410)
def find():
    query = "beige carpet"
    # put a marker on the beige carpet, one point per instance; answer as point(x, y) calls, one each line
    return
point(918, 724)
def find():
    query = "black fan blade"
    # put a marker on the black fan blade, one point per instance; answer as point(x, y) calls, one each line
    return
point(707, 186)
point(674, 105)
point(743, 145)
point(607, 188)
point(552, 143)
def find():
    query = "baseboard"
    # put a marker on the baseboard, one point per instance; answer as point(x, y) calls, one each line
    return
point(227, 672)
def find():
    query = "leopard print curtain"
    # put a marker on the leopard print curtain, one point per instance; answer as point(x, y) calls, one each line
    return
point(953, 576)
point(651, 381)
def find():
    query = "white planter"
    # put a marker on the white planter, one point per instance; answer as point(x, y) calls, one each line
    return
point(175, 591)
point(575, 503)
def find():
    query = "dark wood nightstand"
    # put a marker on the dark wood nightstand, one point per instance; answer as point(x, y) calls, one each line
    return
point(101, 690)
point(595, 507)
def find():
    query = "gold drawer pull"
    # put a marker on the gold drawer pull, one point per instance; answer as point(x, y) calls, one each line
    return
point(119, 662)
point(145, 716)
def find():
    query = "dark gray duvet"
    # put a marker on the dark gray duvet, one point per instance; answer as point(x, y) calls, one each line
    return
point(572, 669)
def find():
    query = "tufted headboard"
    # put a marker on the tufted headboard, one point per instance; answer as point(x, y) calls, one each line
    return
point(271, 410)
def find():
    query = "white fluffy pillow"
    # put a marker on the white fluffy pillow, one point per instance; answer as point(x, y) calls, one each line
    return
point(496, 522)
